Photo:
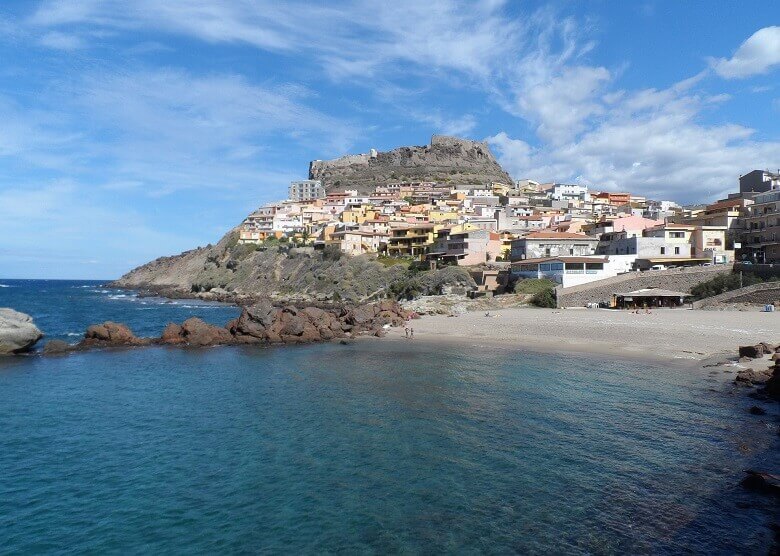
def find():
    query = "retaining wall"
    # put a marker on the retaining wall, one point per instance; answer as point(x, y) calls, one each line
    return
point(676, 279)
point(759, 294)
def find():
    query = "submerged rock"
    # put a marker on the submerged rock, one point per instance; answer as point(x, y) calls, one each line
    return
point(764, 482)
point(56, 347)
point(18, 333)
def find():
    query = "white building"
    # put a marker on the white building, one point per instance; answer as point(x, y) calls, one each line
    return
point(569, 192)
point(306, 190)
point(566, 271)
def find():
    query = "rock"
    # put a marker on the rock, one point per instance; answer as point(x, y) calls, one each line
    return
point(764, 482)
point(18, 333)
point(56, 347)
point(112, 333)
point(172, 334)
point(753, 352)
point(751, 377)
point(450, 159)
point(756, 410)
point(195, 332)
point(772, 388)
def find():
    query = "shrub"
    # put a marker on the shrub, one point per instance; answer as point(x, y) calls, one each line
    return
point(545, 298)
point(533, 285)
point(724, 283)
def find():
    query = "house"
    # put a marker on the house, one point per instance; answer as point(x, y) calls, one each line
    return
point(566, 271)
point(411, 240)
point(761, 239)
point(356, 242)
point(709, 242)
point(552, 244)
point(759, 181)
point(465, 247)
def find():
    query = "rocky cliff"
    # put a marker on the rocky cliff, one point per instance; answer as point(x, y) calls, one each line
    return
point(231, 272)
point(446, 159)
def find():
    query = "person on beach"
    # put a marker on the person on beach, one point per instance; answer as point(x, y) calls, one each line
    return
point(411, 333)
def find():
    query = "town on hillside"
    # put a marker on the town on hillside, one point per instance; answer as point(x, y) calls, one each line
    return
point(568, 233)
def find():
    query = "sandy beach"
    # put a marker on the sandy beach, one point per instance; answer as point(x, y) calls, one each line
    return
point(671, 334)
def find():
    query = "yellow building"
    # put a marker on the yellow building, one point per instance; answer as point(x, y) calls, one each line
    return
point(412, 241)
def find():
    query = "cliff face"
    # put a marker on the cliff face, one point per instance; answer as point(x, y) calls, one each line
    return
point(232, 272)
point(446, 159)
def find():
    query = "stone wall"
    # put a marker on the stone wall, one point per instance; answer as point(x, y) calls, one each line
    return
point(677, 279)
point(757, 294)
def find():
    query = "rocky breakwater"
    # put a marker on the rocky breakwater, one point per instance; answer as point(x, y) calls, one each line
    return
point(258, 324)
point(763, 361)
point(18, 333)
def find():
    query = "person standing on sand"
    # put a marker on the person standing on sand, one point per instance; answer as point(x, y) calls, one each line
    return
point(411, 333)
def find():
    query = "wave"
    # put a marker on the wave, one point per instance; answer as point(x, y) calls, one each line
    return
point(5, 286)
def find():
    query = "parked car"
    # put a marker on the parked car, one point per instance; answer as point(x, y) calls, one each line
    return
point(658, 267)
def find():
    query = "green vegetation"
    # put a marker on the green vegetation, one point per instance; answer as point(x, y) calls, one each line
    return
point(533, 285)
point(545, 298)
point(726, 282)
point(392, 261)
point(541, 290)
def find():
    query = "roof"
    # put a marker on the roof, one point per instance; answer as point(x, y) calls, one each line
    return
point(557, 235)
point(563, 260)
point(653, 292)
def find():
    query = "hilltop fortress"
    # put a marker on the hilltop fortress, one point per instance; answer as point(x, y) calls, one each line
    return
point(447, 160)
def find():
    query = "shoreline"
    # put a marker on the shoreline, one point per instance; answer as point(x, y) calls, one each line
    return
point(682, 336)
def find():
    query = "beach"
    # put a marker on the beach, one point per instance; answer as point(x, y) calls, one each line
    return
point(666, 334)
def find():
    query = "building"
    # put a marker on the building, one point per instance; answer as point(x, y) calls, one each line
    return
point(648, 298)
point(569, 192)
point(709, 242)
point(411, 241)
point(761, 238)
point(356, 242)
point(613, 198)
point(468, 247)
point(306, 190)
point(542, 244)
point(759, 181)
point(566, 271)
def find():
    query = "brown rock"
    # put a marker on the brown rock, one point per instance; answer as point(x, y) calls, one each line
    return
point(111, 333)
point(172, 334)
point(195, 332)
point(753, 352)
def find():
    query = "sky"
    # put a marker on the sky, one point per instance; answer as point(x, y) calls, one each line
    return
point(133, 129)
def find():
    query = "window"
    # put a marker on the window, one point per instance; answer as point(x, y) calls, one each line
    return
point(547, 252)
point(676, 250)
point(663, 250)
point(571, 251)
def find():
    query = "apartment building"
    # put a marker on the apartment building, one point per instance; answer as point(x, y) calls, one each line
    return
point(761, 238)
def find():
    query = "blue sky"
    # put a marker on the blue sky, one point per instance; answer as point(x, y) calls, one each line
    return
point(131, 129)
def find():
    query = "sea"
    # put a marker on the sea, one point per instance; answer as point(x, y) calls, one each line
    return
point(375, 447)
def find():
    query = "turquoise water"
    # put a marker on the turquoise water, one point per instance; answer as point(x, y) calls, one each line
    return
point(375, 447)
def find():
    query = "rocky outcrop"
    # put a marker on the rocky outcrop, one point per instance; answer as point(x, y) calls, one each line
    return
point(246, 273)
point(447, 160)
point(261, 323)
point(18, 333)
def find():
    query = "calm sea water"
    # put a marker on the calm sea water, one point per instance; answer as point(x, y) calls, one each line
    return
point(375, 447)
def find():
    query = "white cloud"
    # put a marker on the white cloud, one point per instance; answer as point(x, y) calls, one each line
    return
point(650, 142)
point(757, 55)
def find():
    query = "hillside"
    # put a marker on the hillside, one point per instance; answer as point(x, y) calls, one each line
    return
point(228, 271)
point(446, 159)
